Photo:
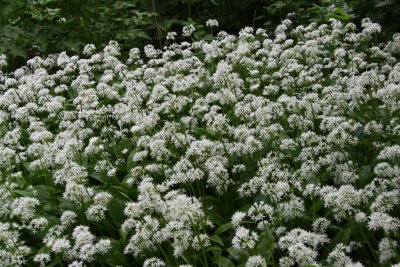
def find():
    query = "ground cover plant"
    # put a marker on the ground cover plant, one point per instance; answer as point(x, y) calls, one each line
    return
point(261, 149)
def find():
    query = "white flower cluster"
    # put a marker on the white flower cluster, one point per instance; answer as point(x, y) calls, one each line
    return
point(295, 134)
point(212, 23)
point(180, 216)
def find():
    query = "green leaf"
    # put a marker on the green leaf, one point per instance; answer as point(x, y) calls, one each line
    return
point(130, 164)
point(54, 263)
point(24, 193)
point(68, 205)
point(97, 177)
point(365, 174)
point(223, 228)
point(123, 5)
point(213, 210)
point(238, 254)
point(343, 236)
point(214, 248)
point(43, 192)
point(385, 3)
point(18, 51)
point(217, 239)
point(222, 261)
point(51, 207)
point(265, 245)
point(115, 255)
point(116, 210)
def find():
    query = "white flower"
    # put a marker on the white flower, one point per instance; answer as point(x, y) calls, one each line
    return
point(89, 49)
point(42, 259)
point(76, 264)
point(340, 52)
point(381, 220)
point(96, 213)
point(153, 262)
point(212, 23)
point(37, 224)
point(320, 225)
point(60, 245)
point(24, 207)
point(68, 217)
point(150, 51)
point(237, 218)
point(3, 61)
point(391, 152)
point(188, 30)
point(244, 238)
point(387, 250)
point(256, 261)
point(171, 35)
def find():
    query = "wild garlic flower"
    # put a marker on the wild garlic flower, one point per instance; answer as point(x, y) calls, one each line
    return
point(42, 259)
point(387, 250)
point(188, 30)
point(244, 238)
point(24, 208)
point(171, 35)
point(3, 61)
point(212, 23)
point(89, 49)
point(256, 261)
point(153, 262)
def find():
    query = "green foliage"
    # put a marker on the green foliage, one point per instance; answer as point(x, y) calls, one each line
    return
point(28, 28)
point(385, 12)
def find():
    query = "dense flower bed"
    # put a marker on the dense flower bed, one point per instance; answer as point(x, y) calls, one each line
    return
point(250, 150)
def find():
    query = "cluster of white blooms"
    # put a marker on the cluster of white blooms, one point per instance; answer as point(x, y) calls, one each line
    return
point(156, 219)
point(289, 137)
point(3, 61)
point(301, 246)
point(244, 238)
point(338, 257)
point(188, 30)
point(80, 246)
point(212, 23)
point(256, 261)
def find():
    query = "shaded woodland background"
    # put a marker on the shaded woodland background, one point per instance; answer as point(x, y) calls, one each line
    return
point(41, 27)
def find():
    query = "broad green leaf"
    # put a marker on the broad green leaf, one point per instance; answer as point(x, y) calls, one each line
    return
point(238, 254)
point(222, 261)
point(115, 256)
point(217, 239)
point(116, 210)
point(129, 162)
point(385, 3)
point(24, 193)
point(265, 244)
point(223, 228)
point(214, 248)
point(365, 174)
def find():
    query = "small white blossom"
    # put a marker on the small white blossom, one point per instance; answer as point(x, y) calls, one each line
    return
point(188, 30)
point(212, 23)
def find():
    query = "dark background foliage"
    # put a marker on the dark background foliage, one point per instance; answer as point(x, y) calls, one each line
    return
point(41, 27)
